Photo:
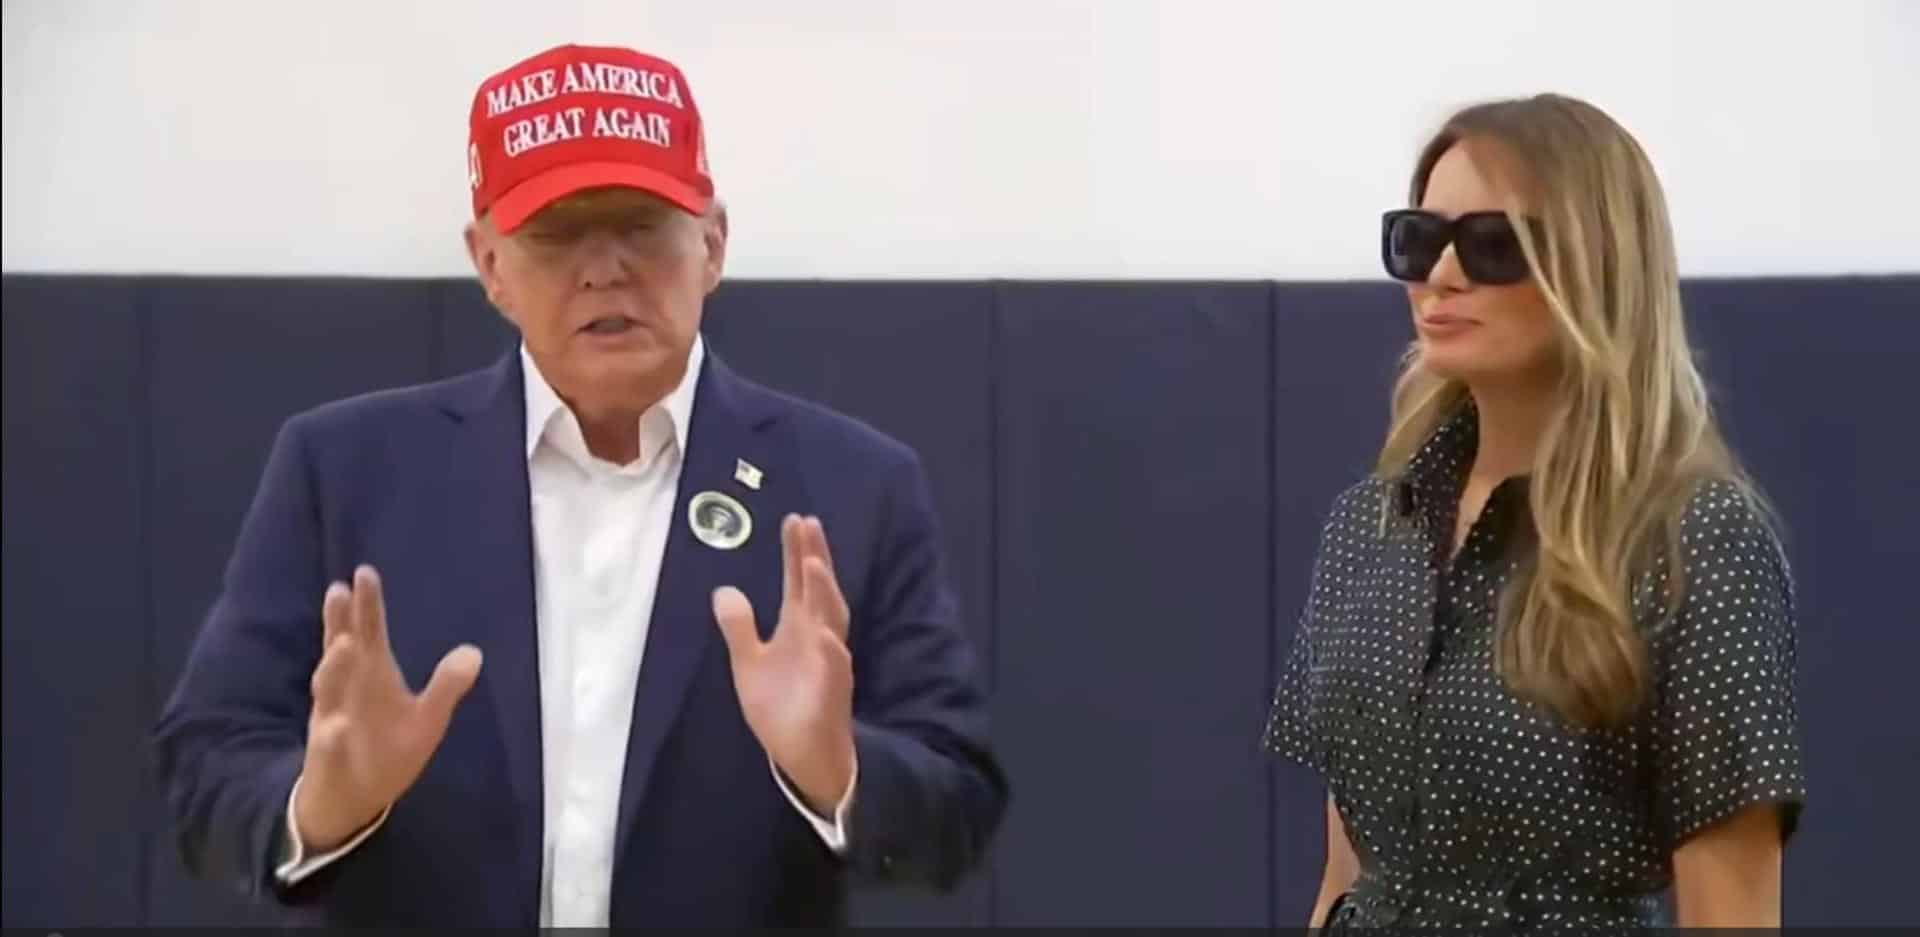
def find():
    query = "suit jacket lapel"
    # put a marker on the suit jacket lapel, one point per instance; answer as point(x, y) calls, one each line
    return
point(682, 630)
point(489, 544)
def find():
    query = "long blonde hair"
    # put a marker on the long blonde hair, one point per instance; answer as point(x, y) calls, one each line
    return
point(1632, 431)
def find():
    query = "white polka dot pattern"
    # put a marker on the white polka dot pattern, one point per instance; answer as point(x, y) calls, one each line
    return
point(1470, 807)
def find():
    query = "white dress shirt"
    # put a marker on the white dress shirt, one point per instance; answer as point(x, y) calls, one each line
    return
point(600, 531)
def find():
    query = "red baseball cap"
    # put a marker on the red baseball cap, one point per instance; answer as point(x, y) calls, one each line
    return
point(584, 117)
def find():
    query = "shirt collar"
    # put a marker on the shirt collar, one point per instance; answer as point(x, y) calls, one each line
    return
point(1428, 489)
point(667, 421)
point(1441, 464)
point(1430, 486)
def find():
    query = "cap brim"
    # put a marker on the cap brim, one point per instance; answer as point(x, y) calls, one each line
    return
point(523, 201)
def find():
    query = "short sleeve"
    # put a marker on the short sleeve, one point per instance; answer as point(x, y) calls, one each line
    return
point(1289, 733)
point(1727, 724)
point(1292, 730)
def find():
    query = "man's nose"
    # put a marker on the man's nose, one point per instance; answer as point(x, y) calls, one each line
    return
point(605, 262)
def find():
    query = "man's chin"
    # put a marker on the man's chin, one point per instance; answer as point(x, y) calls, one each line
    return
point(641, 362)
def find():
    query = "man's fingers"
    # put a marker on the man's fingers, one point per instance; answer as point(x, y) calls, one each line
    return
point(336, 614)
point(369, 607)
point(817, 542)
point(834, 647)
point(824, 595)
point(452, 678)
point(791, 589)
point(735, 615)
point(823, 587)
point(334, 675)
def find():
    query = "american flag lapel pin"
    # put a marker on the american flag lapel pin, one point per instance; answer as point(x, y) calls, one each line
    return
point(746, 473)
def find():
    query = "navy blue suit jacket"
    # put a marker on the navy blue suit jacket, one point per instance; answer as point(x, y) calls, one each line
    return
point(429, 484)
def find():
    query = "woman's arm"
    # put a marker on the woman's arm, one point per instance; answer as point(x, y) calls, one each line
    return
point(1730, 772)
point(1728, 875)
point(1342, 866)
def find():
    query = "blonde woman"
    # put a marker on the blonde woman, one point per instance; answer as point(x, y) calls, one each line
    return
point(1547, 664)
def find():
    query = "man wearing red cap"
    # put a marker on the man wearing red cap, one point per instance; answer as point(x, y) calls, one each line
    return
point(692, 710)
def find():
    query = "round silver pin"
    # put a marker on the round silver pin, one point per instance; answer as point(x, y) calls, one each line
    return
point(719, 521)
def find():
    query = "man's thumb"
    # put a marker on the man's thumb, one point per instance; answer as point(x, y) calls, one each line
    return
point(451, 680)
point(735, 615)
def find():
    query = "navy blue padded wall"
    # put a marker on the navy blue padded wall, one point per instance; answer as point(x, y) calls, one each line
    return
point(1815, 380)
point(1133, 612)
point(75, 604)
point(1336, 347)
point(232, 359)
point(1134, 621)
point(470, 333)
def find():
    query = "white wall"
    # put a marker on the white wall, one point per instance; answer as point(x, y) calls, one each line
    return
point(950, 138)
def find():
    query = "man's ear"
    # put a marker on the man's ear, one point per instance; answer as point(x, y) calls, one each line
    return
point(714, 230)
point(483, 249)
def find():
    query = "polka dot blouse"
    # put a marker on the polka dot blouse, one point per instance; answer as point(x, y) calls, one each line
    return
point(1470, 807)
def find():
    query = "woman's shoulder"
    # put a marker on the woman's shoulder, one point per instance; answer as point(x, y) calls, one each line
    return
point(1362, 500)
point(1354, 517)
point(1723, 519)
point(1730, 554)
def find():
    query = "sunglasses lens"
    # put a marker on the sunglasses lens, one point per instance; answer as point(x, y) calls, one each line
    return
point(1489, 250)
point(1411, 243)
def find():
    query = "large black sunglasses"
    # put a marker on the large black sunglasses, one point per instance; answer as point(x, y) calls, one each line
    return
point(1411, 242)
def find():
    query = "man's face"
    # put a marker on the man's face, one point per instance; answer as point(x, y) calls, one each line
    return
point(607, 288)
